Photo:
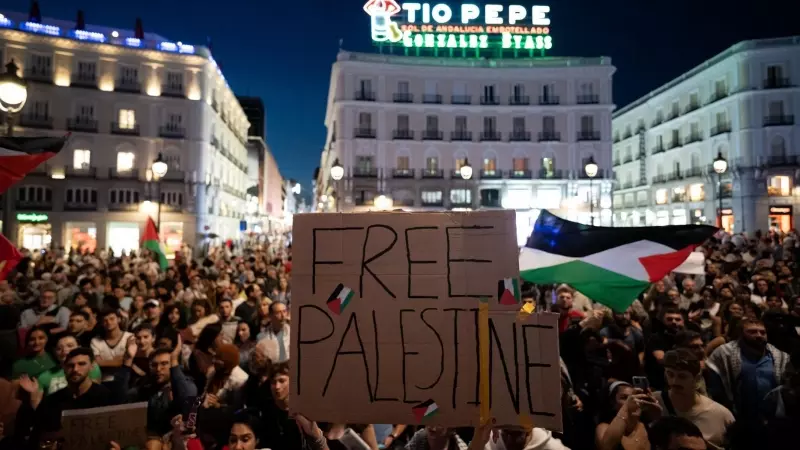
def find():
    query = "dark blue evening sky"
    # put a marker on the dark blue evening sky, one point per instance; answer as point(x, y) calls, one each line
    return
point(282, 51)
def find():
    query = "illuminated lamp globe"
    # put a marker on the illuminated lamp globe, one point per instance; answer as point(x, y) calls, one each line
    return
point(337, 171)
point(591, 168)
point(13, 90)
point(466, 170)
point(159, 167)
point(720, 164)
point(384, 203)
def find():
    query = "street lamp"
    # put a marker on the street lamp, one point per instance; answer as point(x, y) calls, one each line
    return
point(13, 94)
point(720, 166)
point(159, 169)
point(466, 170)
point(337, 173)
point(383, 203)
point(591, 171)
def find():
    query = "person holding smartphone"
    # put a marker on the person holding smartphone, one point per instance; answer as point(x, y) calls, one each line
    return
point(621, 424)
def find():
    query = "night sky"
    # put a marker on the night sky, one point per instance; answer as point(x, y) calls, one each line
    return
point(282, 51)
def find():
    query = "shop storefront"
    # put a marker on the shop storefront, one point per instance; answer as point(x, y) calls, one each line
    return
point(123, 236)
point(780, 218)
point(697, 217)
point(725, 219)
point(35, 231)
point(172, 237)
point(81, 236)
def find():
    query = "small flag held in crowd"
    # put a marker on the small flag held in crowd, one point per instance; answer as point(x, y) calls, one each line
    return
point(425, 410)
point(508, 291)
point(339, 299)
point(151, 242)
point(9, 257)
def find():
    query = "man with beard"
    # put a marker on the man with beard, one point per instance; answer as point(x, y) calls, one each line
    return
point(257, 390)
point(749, 368)
point(623, 330)
point(80, 393)
point(46, 314)
point(681, 399)
point(278, 330)
point(660, 342)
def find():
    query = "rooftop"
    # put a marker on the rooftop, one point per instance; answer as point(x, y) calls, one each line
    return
point(756, 44)
point(515, 63)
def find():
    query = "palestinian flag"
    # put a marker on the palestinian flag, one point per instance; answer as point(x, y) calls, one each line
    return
point(20, 155)
point(425, 410)
point(609, 265)
point(9, 257)
point(508, 291)
point(339, 299)
point(151, 242)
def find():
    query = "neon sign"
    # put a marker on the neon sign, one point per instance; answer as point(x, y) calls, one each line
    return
point(467, 26)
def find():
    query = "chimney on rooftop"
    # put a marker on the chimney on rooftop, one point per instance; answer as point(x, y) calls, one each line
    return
point(139, 31)
point(35, 15)
point(80, 22)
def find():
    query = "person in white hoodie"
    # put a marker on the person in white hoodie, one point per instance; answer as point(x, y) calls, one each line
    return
point(518, 438)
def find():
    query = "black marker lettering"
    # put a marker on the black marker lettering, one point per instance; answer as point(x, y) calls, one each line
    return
point(378, 363)
point(477, 360)
point(528, 365)
point(403, 368)
point(365, 262)
point(463, 260)
point(352, 321)
point(314, 262)
point(441, 346)
point(419, 261)
point(494, 338)
point(455, 353)
point(301, 342)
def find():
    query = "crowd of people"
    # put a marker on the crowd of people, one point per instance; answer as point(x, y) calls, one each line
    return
point(696, 362)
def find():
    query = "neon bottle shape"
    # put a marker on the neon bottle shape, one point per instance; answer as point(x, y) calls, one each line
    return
point(380, 22)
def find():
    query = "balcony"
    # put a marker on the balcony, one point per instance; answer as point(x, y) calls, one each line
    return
point(601, 174)
point(214, 142)
point(86, 80)
point(616, 162)
point(658, 149)
point(432, 135)
point(214, 105)
point(171, 132)
point(628, 158)
point(691, 107)
point(679, 198)
point(84, 124)
point(35, 205)
point(403, 97)
point(544, 174)
point(432, 173)
point(588, 135)
point(126, 129)
point(124, 174)
point(30, 120)
point(403, 173)
point(402, 134)
point(589, 99)
point(549, 100)
point(659, 179)
point(130, 86)
point(173, 90)
point(626, 185)
point(717, 96)
point(40, 74)
point(779, 120)
point(432, 98)
point(361, 132)
point(521, 174)
point(693, 172)
point(461, 135)
point(783, 160)
point(491, 174)
point(365, 172)
point(674, 114)
point(692, 138)
point(519, 136)
point(519, 100)
point(461, 99)
point(676, 143)
point(84, 171)
point(432, 203)
point(777, 83)
point(657, 121)
point(720, 128)
point(365, 96)
point(674, 176)
point(490, 136)
point(490, 100)
point(80, 206)
point(127, 207)
point(549, 136)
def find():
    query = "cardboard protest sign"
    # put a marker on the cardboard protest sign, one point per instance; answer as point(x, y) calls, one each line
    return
point(93, 429)
point(386, 315)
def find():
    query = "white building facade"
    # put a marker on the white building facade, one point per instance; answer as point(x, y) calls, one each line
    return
point(403, 126)
point(740, 104)
point(125, 100)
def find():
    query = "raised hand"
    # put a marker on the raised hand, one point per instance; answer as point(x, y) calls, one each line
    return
point(30, 385)
point(131, 348)
point(308, 427)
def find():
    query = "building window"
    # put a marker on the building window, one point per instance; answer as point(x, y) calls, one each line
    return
point(460, 161)
point(84, 113)
point(697, 192)
point(35, 194)
point(81, 196)
point(548, 166)
point(366, 86)
point(402, 122)
point(41, 109)
point(461, 124)
point(431, 123)
point(461, 196)
point(720, 88)
point(587, 124)
point(41, 65)
point(518, 124)
point(127, 119)
point(776, 109)
point(403, 163)
point(402, 87)
point(128, 75)
point(123, 196)
point(87, 71)
point(489, 125)
point(432, 163)
point(520, 165)
point(549, 124)
point(172, 198)
point(488, 92)
point(363, 164)
point(365, 120)
point(173, 161)
point(489, 166)
point(779, 186)
point(125, 161)
point(81, 159)
point(174, 122)
point(661, 197)
point(174, 81)
point(431, 197)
